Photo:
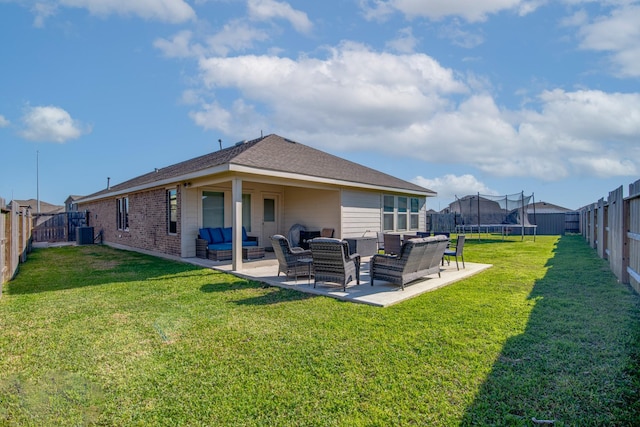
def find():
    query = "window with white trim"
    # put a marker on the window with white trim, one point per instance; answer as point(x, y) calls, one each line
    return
point(122, 213)
point(400, 213)
point(172, 211)
point(415, 213)
point(212, 209)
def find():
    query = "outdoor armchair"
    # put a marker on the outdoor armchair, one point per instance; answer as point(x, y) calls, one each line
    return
point(332, 262)
point(288, 257)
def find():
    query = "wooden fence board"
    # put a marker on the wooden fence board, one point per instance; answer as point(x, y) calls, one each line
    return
point(617, 237)
point(633, 267)
point(59, 227)
point(15, 239)
point(616, 234)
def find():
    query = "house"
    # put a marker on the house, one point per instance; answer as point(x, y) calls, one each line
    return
point(40, 210)
point(553, 219)
point(266, 185)
point(70, 203)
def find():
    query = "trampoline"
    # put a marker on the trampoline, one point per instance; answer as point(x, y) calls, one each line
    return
point(506, 214)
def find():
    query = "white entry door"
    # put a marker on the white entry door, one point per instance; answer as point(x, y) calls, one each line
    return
point(270, 218)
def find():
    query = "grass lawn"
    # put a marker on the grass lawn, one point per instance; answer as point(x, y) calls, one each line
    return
point(90, 335)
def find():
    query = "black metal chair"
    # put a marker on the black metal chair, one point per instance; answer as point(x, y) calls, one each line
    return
point(392, 244)
point(456, 251)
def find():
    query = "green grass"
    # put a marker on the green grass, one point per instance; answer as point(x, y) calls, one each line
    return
point(95, 336)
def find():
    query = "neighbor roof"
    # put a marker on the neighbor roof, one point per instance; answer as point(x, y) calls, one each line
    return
point(45, 207)
point(268, 155)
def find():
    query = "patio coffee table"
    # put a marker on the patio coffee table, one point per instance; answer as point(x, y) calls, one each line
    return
point(252, 252)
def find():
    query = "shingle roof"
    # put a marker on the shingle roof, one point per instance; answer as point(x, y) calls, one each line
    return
point(278, 154)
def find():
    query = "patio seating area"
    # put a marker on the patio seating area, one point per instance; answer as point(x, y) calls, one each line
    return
point(382, 294)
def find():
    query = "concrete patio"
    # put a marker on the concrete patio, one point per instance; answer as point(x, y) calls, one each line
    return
point(382, 294)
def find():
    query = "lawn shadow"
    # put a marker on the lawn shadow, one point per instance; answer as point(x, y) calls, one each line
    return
point(576, 361)
point(71, 267)
point(273, 295)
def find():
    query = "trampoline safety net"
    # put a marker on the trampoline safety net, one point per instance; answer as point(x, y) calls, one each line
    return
point(490, 213)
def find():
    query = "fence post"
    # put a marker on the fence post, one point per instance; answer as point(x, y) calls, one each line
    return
point(14, 242)
point(3, 243)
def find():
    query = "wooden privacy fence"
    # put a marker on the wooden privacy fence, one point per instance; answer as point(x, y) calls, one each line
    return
point(612, 228)
point(15, 239)
point(60, 227)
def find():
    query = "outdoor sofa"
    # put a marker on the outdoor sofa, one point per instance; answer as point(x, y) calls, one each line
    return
point(417, 258)
point(218, 242)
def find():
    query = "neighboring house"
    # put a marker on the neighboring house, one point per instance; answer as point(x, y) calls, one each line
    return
point(266, 185)
point(46, 211)
point(71, 204)
point(553, 219)
point(546, 208)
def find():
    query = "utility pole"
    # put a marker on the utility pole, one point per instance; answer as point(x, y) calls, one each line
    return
point(38, 178)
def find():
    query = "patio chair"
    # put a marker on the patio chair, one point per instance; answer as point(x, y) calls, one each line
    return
point(380, 241)
point(392, 244)
point(456, 251)
point(332, 262)
point(327, 232)
point(289, 258)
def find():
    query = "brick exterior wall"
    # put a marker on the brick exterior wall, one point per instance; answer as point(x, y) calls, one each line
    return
point(148, 221)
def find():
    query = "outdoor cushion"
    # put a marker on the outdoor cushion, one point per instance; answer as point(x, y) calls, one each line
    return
point(244, 234)
point(204, 234)
point(220, 247)
point(216, 235)
point(229, 246)
point(227, 233)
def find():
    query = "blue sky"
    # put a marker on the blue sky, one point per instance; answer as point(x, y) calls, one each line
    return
point(467, 96)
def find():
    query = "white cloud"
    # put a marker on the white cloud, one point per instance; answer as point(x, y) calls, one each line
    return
point(42, 11)
point(606, 166)
point(410, 106)
point(619, 34)
point(469, 10)
point(239, 116)
point(264, 10)
point(51, 124)
point(236, 36)
point(405, 42)
point(466, 39)
point(449, 186)
point(179, 46)
point(390, 92)
point(4, 122)
point(172, 11)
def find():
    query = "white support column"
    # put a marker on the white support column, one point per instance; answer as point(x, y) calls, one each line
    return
point(236, 212)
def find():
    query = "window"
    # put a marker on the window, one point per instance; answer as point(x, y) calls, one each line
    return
point(388, 213)
point(415, 213)
point(400, 213)
point(122, 213)
point(269, 210)
point(246, 211)
point(172, 210)
point(212, 209)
